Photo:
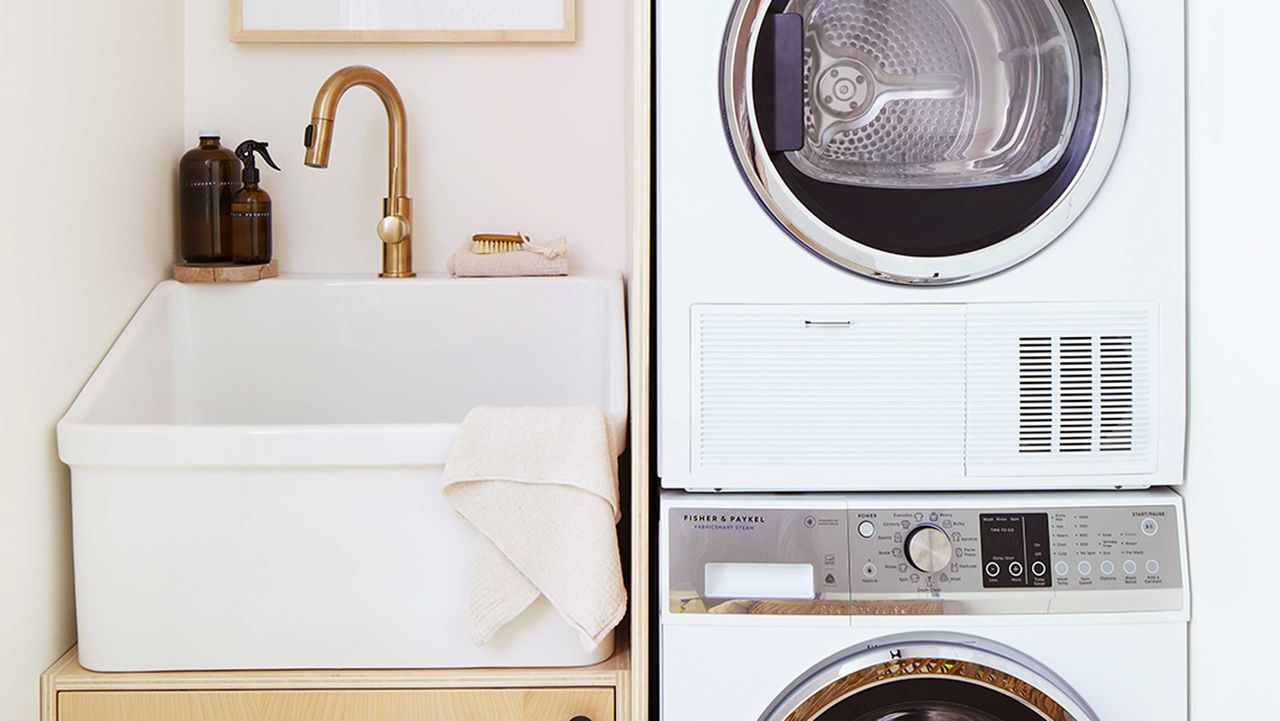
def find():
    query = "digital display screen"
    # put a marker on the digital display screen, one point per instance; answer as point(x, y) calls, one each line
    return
point(1015, 550)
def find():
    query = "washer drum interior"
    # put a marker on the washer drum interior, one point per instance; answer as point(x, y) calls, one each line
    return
point(914, 677)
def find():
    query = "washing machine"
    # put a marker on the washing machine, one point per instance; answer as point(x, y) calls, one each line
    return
point(972, 607)
point(920, 244)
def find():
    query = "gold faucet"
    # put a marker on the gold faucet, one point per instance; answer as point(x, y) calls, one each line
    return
point(396, 227)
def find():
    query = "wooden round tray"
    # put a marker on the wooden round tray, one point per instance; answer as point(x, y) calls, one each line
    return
point(224, 272)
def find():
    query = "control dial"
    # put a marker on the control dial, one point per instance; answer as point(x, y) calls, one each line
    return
point(929, 549)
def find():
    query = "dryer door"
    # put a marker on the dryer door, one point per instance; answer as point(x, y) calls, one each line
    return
point(924, 141)
point(948, 678)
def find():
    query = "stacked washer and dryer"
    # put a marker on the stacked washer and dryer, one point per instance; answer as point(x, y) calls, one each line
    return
point(925, 246)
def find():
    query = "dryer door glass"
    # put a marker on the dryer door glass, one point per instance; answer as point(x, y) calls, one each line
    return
point(935, 93)
point(924, 141)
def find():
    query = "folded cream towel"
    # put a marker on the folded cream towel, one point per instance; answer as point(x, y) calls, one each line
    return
point(541, 487)
point(465, 264)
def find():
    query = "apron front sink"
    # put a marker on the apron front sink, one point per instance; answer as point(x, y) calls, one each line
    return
point(256, 469)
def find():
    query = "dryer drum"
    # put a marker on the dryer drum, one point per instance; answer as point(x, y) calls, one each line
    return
point(931, 93)
point(877, 131)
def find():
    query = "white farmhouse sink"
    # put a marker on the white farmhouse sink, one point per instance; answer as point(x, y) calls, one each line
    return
point(256, 468)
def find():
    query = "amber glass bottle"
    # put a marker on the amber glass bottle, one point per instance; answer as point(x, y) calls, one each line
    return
point(251, 209)
point(207, 176)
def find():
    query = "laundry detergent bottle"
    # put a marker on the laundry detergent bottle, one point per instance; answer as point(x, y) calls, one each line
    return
point(208, 176)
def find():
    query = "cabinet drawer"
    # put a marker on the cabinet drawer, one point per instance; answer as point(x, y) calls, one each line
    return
point(595, 704)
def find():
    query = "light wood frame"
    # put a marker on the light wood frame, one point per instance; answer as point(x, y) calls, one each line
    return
point(568, 33)
point(640, 298)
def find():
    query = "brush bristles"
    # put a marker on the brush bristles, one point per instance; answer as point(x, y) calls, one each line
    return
point(491, 247)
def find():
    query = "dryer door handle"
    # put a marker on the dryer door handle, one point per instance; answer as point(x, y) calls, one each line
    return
point(778, 82)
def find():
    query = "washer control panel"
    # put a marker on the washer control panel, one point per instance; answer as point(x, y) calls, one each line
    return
point(896, 550)
point(1015, 550)
point(762, 561)
point(1067, 549)
point(844, 557)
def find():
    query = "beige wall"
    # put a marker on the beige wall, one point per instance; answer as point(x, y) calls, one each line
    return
point(502, 138)
point(90, 126)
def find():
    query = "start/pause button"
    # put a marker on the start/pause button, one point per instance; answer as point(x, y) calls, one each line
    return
point(1150, 526)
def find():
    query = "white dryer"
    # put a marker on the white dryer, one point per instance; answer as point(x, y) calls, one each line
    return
point(920, 244)
point(979, 607)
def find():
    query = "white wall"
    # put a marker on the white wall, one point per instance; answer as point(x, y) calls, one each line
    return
point(90, 130)
point(502, 138)
point(1233, 487)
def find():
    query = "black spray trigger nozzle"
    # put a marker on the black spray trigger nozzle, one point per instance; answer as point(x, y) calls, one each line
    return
point(245, 151)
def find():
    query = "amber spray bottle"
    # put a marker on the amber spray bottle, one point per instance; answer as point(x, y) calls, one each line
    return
point(251, 209)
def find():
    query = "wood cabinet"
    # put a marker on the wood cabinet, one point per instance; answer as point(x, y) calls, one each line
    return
point(597, 693)
point(543, 704)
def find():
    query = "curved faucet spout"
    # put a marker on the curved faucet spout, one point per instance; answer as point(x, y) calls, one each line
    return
point(395, 227)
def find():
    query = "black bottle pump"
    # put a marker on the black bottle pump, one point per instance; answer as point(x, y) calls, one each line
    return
point(251, 209)
point(245, 151)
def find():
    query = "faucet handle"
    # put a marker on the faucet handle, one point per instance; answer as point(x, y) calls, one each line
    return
point(393, 229)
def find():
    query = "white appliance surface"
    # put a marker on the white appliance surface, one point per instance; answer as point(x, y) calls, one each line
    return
point(256, 469)
point(778, 371)
point(737, 658)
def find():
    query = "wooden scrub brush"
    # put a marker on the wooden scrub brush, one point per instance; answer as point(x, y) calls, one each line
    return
point(491, 243)
point(495, 243)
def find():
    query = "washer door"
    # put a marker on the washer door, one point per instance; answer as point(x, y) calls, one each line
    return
point(924, 141)
point(945, 678)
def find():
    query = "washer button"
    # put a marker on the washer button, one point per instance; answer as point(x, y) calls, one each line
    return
point(1038, 569)
point(1153, 567)
point(869, 570)
point(1085, 568)
point(993, 569)
point(1015, 569)
point(1061, 568)
point(1150, 527)
point(866, 529)
point(1108, 568)
point(1130, 567)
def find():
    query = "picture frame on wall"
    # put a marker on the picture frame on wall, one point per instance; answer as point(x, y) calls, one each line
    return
point(403, 21)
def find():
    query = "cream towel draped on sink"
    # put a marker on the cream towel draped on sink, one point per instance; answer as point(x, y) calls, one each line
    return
point(541, 487)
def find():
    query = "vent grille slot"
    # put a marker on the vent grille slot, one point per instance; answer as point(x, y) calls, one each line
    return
point(1076, 391)
point(1117, 394)
point(1035, 395)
